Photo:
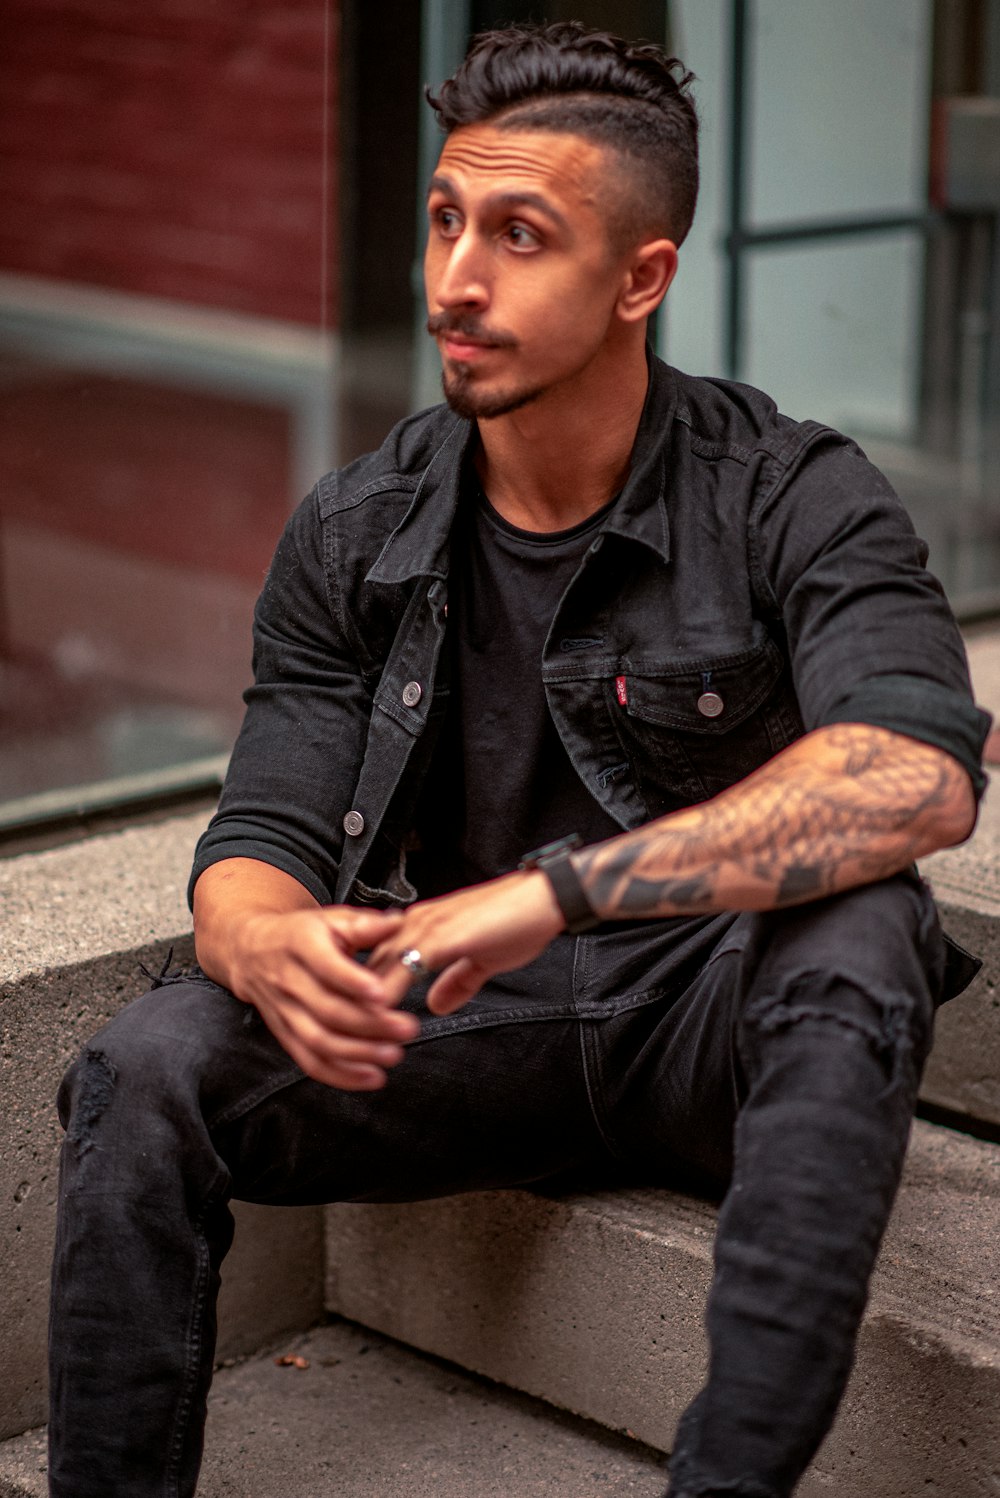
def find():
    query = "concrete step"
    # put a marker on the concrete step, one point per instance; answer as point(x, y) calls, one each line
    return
point(79, 924)
point(369, 1419)
point(963, 1073)
point(595, 1303)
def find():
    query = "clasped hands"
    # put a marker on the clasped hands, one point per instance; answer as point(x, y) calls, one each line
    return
point(337, 1015)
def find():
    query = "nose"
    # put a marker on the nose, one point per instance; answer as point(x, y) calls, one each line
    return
point(456, 273)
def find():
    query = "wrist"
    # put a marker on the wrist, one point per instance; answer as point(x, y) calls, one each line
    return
point(554, 861)
point(229, 951)
point(541, 898)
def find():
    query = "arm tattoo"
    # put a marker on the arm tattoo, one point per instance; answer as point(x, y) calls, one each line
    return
point(846, 805)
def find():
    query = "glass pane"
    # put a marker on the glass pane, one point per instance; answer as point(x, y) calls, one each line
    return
point(165, 367)
point(832, 329)
point(692, 328)
point(838, 108)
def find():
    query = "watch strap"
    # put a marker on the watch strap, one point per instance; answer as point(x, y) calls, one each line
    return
point(571, 897)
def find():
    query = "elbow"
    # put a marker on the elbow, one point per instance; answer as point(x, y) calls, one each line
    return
point(953, 819)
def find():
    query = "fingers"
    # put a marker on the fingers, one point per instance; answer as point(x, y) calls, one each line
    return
point(330, 1069)
point(470, 935)
point(332, 1015)
point(336, 1042)
point(455, 986)
point(351, 931)
point(340, 1013)
point(361, 930)
point(324, 951)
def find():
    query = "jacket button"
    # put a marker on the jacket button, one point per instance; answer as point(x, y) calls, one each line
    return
point(354, 824)
point(710, 704)
point(412, 693)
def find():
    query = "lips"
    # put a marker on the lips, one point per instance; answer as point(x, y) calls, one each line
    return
point(463, 349)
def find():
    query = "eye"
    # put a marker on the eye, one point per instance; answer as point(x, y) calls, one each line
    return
point(520, 237)
point(446, 221)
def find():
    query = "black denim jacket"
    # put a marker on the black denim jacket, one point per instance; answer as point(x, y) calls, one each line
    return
point(748, 556)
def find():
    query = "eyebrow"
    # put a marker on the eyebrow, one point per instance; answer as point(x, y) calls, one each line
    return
point(517, 199)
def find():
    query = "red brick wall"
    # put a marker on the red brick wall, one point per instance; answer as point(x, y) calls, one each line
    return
point(172, 147)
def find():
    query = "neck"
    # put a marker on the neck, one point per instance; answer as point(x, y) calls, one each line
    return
point(557, 460)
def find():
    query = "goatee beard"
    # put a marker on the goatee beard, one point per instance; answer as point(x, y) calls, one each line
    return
point(460, 393)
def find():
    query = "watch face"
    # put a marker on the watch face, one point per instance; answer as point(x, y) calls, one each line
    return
point(538, 858)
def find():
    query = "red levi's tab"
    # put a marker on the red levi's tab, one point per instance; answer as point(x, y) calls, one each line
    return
point(621, 691)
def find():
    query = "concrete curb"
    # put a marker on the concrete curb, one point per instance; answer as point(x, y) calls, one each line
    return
point(963, 1072)
point(595, 1303)
point(115, 903)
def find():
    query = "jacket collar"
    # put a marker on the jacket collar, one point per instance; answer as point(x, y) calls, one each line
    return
point(418, 547)
point(641, 512)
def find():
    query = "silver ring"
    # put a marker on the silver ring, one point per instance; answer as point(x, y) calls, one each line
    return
point(414, 963)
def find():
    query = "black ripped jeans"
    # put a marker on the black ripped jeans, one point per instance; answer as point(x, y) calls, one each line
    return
point(779, 1053)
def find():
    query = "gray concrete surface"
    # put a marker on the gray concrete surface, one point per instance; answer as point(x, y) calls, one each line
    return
point(77, 923)
point(596, 1301)
point(963, 1072)
point(982, 643)
point(369, 1419)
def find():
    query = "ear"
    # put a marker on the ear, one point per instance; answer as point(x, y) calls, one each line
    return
point(647, 279)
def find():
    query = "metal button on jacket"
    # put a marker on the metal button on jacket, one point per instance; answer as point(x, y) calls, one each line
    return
point(354, 824)
point(412, 693)
point(710, 704)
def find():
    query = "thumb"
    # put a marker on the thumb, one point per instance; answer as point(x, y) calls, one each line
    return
point(455, 986)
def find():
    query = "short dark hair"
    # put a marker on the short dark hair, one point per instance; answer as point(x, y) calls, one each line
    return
point(628, 96)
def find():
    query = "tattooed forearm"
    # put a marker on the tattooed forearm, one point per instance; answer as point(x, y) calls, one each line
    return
point(615, 886)
point(846, 805)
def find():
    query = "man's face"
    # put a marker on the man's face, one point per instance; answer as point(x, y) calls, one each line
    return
point(521, 282)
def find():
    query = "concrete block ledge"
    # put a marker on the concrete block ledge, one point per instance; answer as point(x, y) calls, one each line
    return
point(595, 1302)
point(963, 1072)
point(77, 923)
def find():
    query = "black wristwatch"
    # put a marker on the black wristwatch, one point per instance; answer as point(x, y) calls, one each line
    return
point(571, 897)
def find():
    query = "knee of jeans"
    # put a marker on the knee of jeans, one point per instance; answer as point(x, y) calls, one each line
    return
point(84, 1096)
point(894, 1031)
point(867, 965)
point(137, 1053)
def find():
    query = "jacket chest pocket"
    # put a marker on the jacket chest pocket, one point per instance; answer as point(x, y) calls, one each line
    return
point(694, 728)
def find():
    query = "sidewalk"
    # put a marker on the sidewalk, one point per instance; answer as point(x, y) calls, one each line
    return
point(370, 1419)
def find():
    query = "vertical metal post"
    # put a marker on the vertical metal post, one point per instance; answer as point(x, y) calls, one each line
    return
point(991, 73)
point(734, 302)
point(444, 33)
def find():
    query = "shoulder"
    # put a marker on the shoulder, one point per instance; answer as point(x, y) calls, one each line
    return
point(727, 419)
point(397, 465)
point(787, 472)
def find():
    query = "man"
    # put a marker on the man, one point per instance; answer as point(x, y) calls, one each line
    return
point(595, 597)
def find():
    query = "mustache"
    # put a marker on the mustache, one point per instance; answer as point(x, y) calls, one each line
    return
point(469, 327)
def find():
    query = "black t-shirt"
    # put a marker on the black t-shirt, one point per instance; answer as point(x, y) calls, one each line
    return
point(501, 782)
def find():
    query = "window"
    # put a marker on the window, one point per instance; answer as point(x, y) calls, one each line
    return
point(167, 301)
point(823, 268)
point(210, 293)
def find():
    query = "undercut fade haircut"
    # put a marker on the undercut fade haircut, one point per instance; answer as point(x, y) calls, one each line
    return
point(629, 97)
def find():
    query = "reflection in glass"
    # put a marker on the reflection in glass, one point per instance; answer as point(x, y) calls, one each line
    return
point(165, 367)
